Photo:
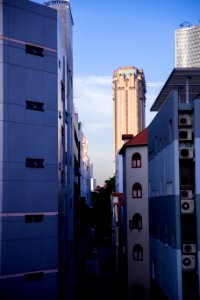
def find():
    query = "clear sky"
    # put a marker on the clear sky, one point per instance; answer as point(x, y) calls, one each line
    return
point(108, 34)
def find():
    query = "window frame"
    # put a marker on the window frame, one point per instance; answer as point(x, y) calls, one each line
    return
point(136, 161)
point(137, 192)
point(137, 252)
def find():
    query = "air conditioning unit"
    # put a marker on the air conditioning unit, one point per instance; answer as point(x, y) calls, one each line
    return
point(189, 248)
point(185, 120)
point(186, 151)
point(186, 194)
point(187, 206)
point(188, 262)
point(185, 134)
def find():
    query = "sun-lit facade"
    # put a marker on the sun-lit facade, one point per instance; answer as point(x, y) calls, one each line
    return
point(129, 103)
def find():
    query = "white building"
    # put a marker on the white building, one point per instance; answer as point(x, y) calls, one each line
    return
point(85, 179)
point(135, 190)
point(93, 181)
point(188, 46)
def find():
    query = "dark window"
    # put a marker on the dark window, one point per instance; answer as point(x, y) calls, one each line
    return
point(34, 50)
point(34, 218)
point(137, 221)
point(137, 252)
point(28, 219)
point(33, 276)
point(39, 106)
point(34, 163)
point(136, 160)
point(137, 190)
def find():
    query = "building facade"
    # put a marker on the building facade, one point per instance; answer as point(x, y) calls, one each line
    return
point(188, 46)
point(129, 103)
point(135, 191)
point(39, 150)
point(174, 189)
point(85, 179)
point(29, 156)
point(67, 142)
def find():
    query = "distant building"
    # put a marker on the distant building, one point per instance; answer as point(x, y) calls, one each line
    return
point(188, 46)
point(129, 103)
point(135, 191)
point(85, 182)
point(93, 180)
point(174, 188)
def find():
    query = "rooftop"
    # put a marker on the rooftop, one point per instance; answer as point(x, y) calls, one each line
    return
point(141, 139)
point(185, 80)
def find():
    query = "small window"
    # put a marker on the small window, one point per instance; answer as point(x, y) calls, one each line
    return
point(34, 50)
point(136, 160)
point(137, 190)
point(34, 163)
point(137, 252)
point(137, 221)
point(39, 106)
point(33, 276)
point(34, 218)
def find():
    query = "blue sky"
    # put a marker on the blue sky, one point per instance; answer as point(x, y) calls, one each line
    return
point(108, 34)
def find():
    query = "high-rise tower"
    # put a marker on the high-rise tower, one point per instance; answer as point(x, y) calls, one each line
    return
point(188, 46)
point(129, 103)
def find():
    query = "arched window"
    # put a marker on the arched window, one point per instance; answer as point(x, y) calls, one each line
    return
point(136, 160)
point(137, 221)
point(137, 252)
point(137, 190)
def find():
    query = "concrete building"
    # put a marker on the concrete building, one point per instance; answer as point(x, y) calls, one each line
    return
point(37, 149)
point(28, 150)
point(174, 187)
point(67, 143)
point(188, 46)
point(129, 103)
point(135, 190)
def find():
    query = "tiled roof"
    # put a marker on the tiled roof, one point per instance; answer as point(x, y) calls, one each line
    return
point(140, 139)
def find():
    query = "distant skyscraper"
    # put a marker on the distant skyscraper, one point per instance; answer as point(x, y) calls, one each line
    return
point(129, 103)
point(188, 46)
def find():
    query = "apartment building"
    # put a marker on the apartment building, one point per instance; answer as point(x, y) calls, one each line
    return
point(29, 156)
point(174, 188)
point(37, 150)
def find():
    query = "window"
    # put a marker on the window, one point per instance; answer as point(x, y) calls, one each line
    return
point(136, 160)
point(39, 106)
point(137, 221)
point(34, 50)
point(34, 163)
point(137, 252)
point(34, 218)
point(33, 276)
point(137, 190)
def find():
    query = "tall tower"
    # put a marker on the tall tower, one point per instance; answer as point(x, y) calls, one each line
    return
point(129, 103)
point(188, 46)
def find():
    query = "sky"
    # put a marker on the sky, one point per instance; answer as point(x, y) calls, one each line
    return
point(108, 34)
